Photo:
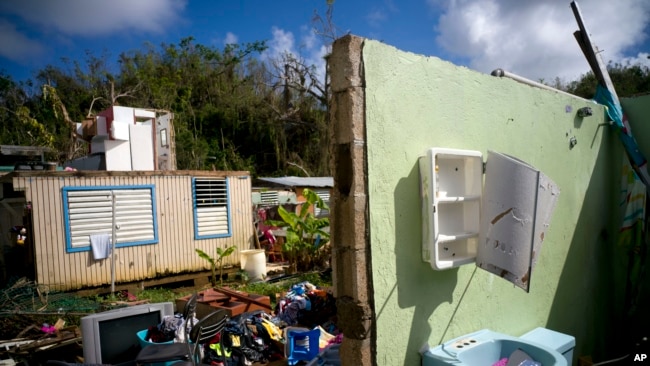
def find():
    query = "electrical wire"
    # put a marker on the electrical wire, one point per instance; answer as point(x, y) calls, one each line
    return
point(610, 361)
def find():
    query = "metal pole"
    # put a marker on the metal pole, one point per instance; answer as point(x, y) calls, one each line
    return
point(113, 239)
point(521, 79)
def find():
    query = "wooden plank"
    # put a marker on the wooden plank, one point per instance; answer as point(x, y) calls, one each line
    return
point(243, 297)
point(591, 52)
point(146, 283)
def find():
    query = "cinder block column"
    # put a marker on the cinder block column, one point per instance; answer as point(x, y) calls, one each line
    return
point(350, 237)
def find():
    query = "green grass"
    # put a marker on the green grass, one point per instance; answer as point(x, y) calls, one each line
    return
point(155, 295)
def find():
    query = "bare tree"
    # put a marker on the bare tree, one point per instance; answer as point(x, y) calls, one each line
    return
point(324, 27)
point(73, 146)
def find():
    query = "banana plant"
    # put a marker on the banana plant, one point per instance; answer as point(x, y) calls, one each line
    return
point(305, 232)
point(216, 262)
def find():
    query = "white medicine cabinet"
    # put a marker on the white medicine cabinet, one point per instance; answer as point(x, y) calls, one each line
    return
point(497, 223)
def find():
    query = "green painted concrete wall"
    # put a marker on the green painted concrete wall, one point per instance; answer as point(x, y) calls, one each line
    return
point(415, 102)
point(637, 111)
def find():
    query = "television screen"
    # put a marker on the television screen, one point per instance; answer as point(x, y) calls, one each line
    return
point(117, 337)
point(110, 337)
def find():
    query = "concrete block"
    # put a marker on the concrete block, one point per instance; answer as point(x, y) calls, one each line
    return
point(346, 63)
point(356, 352)
point(348, 118)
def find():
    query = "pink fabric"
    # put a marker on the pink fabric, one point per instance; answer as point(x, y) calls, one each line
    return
point(261, 213)
point(501, 362)
point(269, 236)
point(262, 227)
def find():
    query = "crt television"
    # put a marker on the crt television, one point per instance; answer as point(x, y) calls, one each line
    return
point(110, 337)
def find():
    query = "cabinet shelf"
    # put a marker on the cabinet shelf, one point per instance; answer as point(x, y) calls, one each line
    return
point(458, 199)
point(451, 183)
point(455, 261)
point(458, 236)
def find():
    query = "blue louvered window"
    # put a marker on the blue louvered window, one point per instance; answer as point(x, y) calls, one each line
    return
point(91, 210)
point(211, 208)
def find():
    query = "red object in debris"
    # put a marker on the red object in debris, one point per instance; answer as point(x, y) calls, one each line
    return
point(129, 296)
point(49, 329)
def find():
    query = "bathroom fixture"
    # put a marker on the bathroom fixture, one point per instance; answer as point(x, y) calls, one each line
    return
point(585, 112)
point(498, 225)
point(486, 347)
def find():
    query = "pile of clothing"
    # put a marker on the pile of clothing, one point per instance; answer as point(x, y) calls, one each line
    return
point(308, 306)
point(248, 337)
point(259, 337)
point(171, 328)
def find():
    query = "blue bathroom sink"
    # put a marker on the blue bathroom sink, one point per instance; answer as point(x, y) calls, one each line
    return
point(489, 352)
point(485, 347)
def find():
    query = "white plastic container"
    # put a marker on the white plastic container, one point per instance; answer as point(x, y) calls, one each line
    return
point(497, 220)
point(254, 263)
point(451, 187)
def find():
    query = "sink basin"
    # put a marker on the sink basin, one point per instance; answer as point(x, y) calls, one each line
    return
point(497, 349)
point(485, 347)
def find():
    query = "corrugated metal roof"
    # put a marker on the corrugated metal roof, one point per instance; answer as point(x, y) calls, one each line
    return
point(325, 182)
point(24, 150)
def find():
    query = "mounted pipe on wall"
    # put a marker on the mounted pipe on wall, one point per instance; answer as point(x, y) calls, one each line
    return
point(503, 73)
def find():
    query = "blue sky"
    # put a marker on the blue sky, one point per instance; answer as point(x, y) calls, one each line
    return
point(531, 38)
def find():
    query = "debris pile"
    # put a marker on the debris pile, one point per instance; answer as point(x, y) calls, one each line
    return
point(33, 321)
point(261, 336)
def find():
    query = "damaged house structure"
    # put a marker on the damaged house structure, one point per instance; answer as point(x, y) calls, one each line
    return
point(127, 188)
point(124, 138)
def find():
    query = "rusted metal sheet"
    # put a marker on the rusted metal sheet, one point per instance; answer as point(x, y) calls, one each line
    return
point(62, 269)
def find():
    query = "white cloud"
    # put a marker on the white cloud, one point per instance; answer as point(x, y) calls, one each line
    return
point(317, 58)
point(311, 50)
point(309, 39)
point(15, 45)
point(535, 38)
point(92, 18)
point(282, 42)
point(315, 51)
point(231, 38)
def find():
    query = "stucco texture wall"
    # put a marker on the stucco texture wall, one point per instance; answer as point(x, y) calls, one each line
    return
point(414, 103)
point(637, 111)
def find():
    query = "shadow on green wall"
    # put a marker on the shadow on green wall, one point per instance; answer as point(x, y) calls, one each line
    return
point(418, 285)
point(588, 302)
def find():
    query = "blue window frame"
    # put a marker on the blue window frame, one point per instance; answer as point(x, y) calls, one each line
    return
point(92, 210)
point(211, 200)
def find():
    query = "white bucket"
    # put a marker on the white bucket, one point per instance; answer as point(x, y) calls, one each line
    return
point(254, 263)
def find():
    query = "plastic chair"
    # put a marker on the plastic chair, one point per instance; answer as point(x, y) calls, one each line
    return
point(172, 351)
point(187, 353)
point(195, 337)
point(302, 345)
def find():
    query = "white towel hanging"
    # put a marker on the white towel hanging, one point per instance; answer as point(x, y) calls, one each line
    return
point(101, 246)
